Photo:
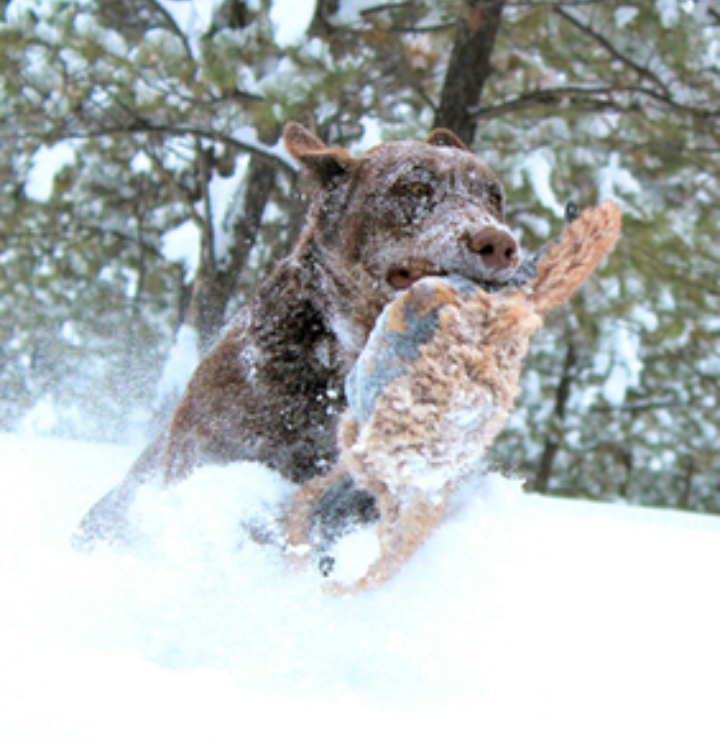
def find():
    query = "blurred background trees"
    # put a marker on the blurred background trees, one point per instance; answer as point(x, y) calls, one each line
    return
point(144, 193)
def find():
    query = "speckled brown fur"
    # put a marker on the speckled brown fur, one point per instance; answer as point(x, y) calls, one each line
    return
point(272, 389)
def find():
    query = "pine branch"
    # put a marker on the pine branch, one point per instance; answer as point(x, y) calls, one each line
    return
point(642, 72)
point(172, 26)
point(141, 126)
point(547, 97)
point(600, 97)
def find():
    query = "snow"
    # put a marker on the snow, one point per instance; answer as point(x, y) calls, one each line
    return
point(523, 616)
point(645, 318)
point(182, 245)
point(192, 17)
point(46, 416)
point(181, 362)
point(141, 163)
point(225, 195)
point(372, 134)
point(40, 8)
point(350, 11)
point(538, 167)
point(247, 135)
point(614, 179)
point(620, 350)
point(291, 20)
point(711, 56)
point(46, 164)
point(625, 14)
point(669, 12)
point(86, 25)
point(354, 554)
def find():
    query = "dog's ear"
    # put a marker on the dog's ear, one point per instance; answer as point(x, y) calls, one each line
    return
point(323, 162)
point(443, 137)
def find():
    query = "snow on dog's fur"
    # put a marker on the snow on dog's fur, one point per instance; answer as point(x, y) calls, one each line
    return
point(388, 307)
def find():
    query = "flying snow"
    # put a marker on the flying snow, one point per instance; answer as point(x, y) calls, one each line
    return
point(181, 362)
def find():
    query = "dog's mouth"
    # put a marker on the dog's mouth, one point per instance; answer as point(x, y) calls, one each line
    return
point(401, 277)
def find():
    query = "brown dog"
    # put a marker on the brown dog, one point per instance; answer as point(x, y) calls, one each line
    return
point(273, 387)
point(417, 229)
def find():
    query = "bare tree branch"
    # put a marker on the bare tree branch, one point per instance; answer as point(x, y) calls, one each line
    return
point(600, 97)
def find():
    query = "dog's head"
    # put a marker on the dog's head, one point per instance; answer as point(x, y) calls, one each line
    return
point(400, 212)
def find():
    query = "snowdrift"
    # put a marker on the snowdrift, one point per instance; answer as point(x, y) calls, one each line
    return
point(523, 616)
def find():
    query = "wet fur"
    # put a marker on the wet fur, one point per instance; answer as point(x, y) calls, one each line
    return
point(272, 389)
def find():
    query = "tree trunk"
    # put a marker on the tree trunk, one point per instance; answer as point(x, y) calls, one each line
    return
point(469, 67)
point(684, 499)
point(216, 281)
point(552, 441)
point(259, 185)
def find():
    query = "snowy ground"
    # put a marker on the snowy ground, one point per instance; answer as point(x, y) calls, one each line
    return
point(524, 617)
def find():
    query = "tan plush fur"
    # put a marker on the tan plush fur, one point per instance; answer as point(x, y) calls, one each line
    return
point(433, 424)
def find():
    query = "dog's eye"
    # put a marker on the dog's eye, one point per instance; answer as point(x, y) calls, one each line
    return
point(495, 195)
point(419, 189)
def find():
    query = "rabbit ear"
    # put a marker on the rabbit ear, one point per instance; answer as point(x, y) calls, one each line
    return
point(322, 162)
point(443, 137)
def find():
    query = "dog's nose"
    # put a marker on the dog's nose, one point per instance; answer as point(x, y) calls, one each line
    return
point(496, 247)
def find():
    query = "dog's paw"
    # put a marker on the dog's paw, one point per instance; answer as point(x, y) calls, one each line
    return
point(343, 508)
point(402, 330)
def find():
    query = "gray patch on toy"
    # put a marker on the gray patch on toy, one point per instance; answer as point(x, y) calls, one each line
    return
point(388, 353)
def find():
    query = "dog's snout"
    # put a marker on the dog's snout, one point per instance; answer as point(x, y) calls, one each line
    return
point(496, 247)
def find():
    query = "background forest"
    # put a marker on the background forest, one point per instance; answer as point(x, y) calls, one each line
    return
point(144, 194)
